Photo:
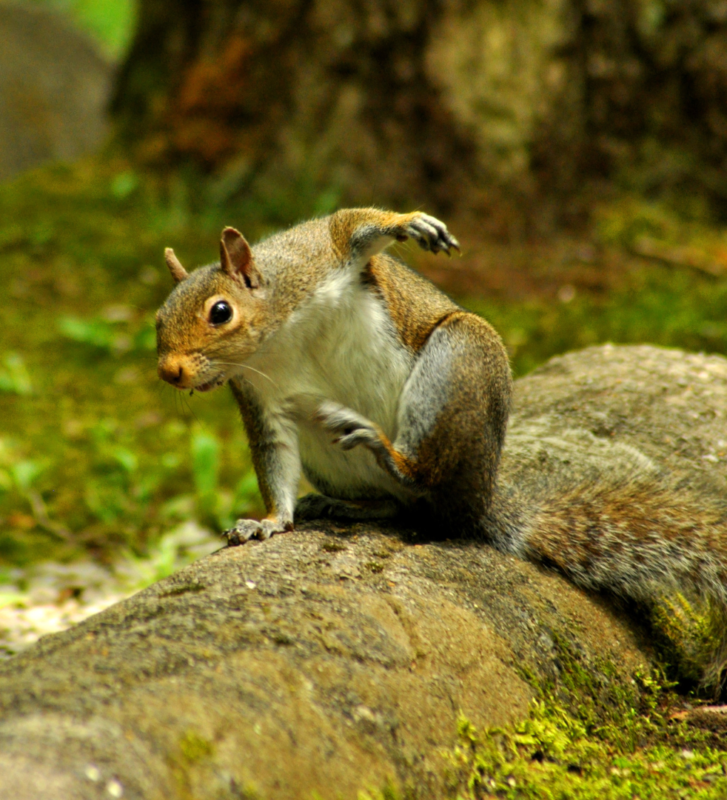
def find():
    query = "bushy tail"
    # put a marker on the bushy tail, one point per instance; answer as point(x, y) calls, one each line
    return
point(646, 540)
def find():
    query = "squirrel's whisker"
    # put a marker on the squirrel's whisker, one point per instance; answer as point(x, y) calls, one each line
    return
point(245, 366)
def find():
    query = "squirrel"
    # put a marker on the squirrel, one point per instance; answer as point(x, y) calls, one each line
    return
point(350, 367)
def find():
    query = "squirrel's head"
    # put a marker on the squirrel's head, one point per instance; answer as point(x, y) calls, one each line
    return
point(213, 319)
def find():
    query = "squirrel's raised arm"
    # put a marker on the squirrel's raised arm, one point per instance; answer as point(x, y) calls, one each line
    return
point(359, 233)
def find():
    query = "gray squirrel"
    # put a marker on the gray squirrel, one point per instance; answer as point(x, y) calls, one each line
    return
point(353, 369)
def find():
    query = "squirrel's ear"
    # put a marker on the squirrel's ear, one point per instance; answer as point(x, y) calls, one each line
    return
point(179, 273)
point(236, 258)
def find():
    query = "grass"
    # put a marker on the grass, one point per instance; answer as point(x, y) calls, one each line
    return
point(651, 274)
point(657, 305)
point(95, 453)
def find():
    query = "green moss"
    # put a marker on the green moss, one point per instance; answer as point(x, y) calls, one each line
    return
point(187, 588)
point(690, 637)
point(593, 735)
point(333, 547)
point(387, 792)
point(195, 748)
point(552, 755)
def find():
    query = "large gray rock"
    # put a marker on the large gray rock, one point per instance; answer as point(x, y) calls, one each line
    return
point(54, 88)
point(335, 659)
point(327, 660)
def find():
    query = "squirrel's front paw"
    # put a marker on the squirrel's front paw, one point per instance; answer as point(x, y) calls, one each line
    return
point(348, 428)
point(245, 529)
point(429, 233)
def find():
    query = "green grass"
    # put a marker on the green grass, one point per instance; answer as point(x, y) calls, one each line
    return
point(668, 272)
point(659, 305)
point(95, 453)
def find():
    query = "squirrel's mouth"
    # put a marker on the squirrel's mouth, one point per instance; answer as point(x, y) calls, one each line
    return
point(213, 384)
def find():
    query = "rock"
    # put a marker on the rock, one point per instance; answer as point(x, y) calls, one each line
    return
point(669, 405)
point(54, 88)
point(327, 660)
point(337, 659)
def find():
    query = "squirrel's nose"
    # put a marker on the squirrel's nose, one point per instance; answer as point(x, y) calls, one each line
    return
point(172, 371)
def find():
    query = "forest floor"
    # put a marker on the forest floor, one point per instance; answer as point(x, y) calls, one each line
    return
point(110, 480)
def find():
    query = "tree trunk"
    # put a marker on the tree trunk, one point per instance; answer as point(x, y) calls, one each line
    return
point(509, 107)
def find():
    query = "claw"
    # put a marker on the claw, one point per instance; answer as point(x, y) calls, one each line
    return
point(349, 429)
point(431, 234)
point(246, 529)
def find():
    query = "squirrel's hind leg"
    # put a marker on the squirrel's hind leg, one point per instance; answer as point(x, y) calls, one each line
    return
point(451, 422)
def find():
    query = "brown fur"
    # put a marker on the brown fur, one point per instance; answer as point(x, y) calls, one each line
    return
point(397, 284)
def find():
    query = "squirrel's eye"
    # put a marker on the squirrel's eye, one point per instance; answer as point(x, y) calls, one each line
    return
point(220, 313)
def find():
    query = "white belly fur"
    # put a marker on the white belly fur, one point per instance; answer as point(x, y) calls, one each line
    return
point(341, 346)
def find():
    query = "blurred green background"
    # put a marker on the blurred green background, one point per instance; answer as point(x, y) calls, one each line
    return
point(109, 23)
point(97, 456)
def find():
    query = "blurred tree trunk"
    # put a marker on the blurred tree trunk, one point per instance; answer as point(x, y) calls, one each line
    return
point(289, 92)
point(508, 108)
